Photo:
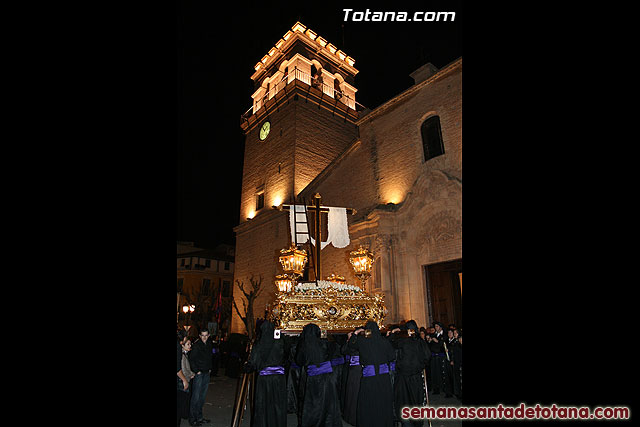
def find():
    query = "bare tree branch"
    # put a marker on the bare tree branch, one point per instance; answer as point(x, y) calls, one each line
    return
point(248, 301)
point(243, 318)
point(236, 307)
point(257, 286)
point(241, 286)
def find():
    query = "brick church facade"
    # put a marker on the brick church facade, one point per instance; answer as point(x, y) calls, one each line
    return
point(399, 166)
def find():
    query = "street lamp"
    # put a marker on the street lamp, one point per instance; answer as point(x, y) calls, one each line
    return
point(361, 260)
point(188, 309)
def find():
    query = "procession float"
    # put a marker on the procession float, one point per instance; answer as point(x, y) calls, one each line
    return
point(332, 304)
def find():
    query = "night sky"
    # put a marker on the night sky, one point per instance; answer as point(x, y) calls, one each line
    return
point(217, 48)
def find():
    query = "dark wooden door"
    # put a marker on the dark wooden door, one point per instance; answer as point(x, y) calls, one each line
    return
point(444, 292)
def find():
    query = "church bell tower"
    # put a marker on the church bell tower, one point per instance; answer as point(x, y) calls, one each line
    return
point(303, 116)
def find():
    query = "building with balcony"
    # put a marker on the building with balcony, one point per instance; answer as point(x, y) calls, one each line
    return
point(205, 279)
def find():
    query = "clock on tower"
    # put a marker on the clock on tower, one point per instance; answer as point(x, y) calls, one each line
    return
point(264, 130)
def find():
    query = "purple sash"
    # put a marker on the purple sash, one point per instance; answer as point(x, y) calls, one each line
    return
point(337, 361)
point(370, 370)
point(392, 366)
point(355, 361)
point(293, 365)
point(323, 368)
point(272, 370)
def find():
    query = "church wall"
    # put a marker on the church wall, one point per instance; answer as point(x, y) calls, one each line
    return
point(269, 162)
point(320, 138)
point(428, 221)
point(258, 241)
point(349, 184)
point(424, 226)
point(399, 141)
point(257, 251)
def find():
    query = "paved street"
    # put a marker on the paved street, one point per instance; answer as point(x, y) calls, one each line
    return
point(219, 405)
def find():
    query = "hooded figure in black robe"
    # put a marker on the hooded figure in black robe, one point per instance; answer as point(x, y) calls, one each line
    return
point(320, 404)
point(351, 386)
point(413, 357)
point(268, 358)
point(375, 397)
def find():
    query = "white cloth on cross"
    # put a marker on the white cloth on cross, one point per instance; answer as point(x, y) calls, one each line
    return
point(337, 227)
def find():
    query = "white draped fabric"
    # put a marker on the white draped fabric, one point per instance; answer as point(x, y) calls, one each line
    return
point(337, 227)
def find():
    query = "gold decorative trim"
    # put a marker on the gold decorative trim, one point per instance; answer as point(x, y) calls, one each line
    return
point(332, 309)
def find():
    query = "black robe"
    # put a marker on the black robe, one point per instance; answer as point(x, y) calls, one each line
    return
point(351, 385)
point(455, 352)
point(440, 380)
point(413, 357)
point(375, 397)
point(320, 403)
point(270, 404)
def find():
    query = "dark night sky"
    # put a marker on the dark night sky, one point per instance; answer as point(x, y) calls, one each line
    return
point(217, 49)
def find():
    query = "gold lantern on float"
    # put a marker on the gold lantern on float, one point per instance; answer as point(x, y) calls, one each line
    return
point(361, 260)
point(284, 283)
point(293, 261)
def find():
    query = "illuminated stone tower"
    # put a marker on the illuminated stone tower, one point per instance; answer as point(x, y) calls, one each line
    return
point(302, 117)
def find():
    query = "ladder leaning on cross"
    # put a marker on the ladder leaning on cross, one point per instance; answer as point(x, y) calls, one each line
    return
point(318, 210)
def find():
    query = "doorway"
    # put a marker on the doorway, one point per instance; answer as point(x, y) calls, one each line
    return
point(444, 292)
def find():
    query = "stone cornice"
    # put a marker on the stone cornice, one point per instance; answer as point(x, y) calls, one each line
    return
point(310, 38)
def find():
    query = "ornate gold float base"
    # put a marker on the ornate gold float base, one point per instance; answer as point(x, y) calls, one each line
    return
point(333, 310)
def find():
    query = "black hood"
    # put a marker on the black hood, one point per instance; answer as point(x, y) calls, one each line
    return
point(411, 324)
point(373, 327)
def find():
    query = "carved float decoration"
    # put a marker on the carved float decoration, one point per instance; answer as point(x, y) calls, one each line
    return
point(332, 306)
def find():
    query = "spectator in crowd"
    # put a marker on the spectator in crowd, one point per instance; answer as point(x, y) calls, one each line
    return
point(439, 364)
point(188, 373)
point(182, 381)
point(201, 361)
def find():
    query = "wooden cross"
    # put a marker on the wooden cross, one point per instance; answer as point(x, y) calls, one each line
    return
point(317, 228)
